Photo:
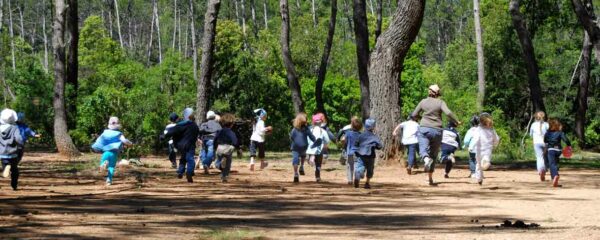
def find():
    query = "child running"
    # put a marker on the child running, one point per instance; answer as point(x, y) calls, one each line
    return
point(110, 143)
point(185, 135)
point(299, 136)
point(173, 118)
point(315, 151)
point(485, 140)
point(450, 143)
point(470, 145)
point(365, 146)
point(329, 134)
point(11, 142)
point(553, 139)
point(225, 143)
point(410, 128)
point(257, 140)
point(537, 131)
point(351, 137)
point(208, 131)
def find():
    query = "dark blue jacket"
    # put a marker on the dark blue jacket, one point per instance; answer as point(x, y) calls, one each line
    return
point(299, 138)
point(554, 139)
point(185, 135)
point(226, 136)
point(366, 144)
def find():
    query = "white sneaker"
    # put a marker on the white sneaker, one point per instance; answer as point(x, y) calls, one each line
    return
point(108, 183)
point(428, 162)
point(103, 166)
point(6, 172)
point(451, 157)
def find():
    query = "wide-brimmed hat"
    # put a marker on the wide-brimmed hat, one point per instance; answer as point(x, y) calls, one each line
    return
point(113, 123)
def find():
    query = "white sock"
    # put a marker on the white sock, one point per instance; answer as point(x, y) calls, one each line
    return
point(251, 160)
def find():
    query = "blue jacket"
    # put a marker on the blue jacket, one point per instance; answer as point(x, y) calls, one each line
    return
point(351, 138)
point(110, 140)
point(226, 136)
point(184, 134)
point(554, 139)
point(299, 139)
point(366, 144)
point(26, 132)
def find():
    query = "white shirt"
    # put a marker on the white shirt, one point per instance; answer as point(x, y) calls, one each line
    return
point(538, 132)
point(449, 137)
point(468, 141)
point(167, 130)
point(258, 132)
point(409, 132)
point(321, 133)
point(485, 140)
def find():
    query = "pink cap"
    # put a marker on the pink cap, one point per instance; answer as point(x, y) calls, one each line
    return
point(317, 118)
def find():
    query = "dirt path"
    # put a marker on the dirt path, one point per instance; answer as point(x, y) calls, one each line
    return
point(57, 201)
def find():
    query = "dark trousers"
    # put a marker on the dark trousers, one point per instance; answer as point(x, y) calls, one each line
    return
point(447, 150)
point(318, 163)
point(472, 162)
point(172, 155)
point(553, 157)
point(14, 170)
point(412, 153)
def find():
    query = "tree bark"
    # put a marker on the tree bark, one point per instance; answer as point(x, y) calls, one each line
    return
point(1, 14)
point(243, 6)
point(64, 143)
point(158, 36)
point(254, 23)
point(582, 93)
point(45, 36)
point(348, 17)
point(206, 66)
point(528, 56)
point(379, 19)
point(292, 76)
point(194, 47)
point(12, 40)
point(174, 25)
point(151, 37)
point(21, 22)
point(314, 14)
point(118, 23)
point(480, 59)
point(72, 62)
point(386, 66)
point(587, 18)
point(361, 33)
point(325, 59)
point(265, 13)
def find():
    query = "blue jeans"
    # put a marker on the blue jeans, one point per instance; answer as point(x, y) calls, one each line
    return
point(208, 152)
point(296, 156)
point(553, 157)
point(447, 150)
point(472, 162)
point(430, 140)
point(364, 164)
point(14, 170)
point(412, 154)
point(187, 159)
point(225, 166)
point(111, 157)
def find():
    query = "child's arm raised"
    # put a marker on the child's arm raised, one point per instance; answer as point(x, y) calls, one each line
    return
point(396, 130)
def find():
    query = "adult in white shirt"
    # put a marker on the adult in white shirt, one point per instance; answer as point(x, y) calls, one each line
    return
point(537, 131)
point(409, 139)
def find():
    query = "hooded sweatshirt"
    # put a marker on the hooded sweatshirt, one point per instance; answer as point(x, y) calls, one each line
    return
point(10, 136)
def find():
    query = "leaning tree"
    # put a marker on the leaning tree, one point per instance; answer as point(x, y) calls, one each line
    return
point(206, 64)
point(386, 67)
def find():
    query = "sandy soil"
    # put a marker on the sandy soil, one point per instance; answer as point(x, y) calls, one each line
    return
point(56, 201)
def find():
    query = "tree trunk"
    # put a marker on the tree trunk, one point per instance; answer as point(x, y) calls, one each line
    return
point(480, 59)
point(587, 18)
point(12, 38)
point(265, 13)
point(528, 56)
point(361, 33)
point(325, 59)
point(21, 22)
point(386, 67)
point(174, 25)
point(582, 93)
point(151, 37)
point(237, 12)
point(158, 36)
point(206, 66)
point(371, 7)
point(243, 5)
point(254, 23)
point(379, 19)
point(45, 36)
point(348, 17)
point(2, 14)
point(314, 14)
point(292, 76)
point(194, 47)
point(72, 62)
point(64, 144)
point(118, 22)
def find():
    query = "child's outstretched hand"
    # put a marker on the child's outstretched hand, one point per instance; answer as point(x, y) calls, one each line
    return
point(38, 136)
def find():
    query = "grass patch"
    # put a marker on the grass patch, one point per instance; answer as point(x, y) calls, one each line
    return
point(233, 234)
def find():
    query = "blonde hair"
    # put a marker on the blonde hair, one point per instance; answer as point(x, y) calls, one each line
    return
point(486, 121)
point(540, 116)
point(355, 123)
point(300, 120)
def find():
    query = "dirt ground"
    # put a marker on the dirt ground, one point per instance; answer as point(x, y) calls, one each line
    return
point(57, 200)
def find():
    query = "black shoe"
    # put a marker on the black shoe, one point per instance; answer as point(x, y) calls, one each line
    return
point(173, 166)
point(189, 178)
point(301, 171)
point(296, 179)
point(446, 176)
point(14, 188)
point(180, 176)
point(318, 180)
point(356, 181)
point(367, 186)
point(409, 171)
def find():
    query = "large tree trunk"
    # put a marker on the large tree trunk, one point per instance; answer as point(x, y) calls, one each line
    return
point(528, 56)
point(325, 59)
point(361, 33)
point(379, 19)
point(480, 59)
point(582, 93)
point(72, 62)
point(64, 144)
point(292, 76)
point(206, 65)
point(386, 66)
point(587, 18)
